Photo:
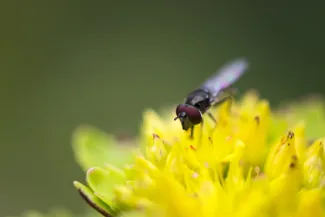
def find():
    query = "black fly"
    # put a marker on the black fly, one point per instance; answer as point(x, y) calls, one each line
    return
point(209, 94)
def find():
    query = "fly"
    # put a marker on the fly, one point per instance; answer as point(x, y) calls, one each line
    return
point(212, 92)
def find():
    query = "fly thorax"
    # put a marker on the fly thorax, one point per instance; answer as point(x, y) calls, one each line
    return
point(200, 99)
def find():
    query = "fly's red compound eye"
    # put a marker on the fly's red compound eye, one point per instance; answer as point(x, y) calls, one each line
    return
point(192, 113)
point(180, 108)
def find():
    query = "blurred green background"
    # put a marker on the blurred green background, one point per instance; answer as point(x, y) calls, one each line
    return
point(65, 63)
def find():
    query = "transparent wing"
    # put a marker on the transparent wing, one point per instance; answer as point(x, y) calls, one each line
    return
point(226, 75)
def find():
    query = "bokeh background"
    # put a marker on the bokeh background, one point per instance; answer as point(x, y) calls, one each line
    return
point(66, 63)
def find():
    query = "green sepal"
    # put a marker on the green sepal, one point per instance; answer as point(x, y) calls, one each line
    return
point(103, 180)
point(88, 195)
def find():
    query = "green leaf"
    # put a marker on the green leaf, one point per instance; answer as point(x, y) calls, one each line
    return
point(93, 148)
point(96, 203)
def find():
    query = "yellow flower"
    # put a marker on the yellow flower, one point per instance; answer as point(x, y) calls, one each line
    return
point(252, 163)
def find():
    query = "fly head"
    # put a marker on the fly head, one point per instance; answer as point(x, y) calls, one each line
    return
point(188, 115)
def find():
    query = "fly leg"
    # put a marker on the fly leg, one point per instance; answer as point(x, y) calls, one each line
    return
point(218, 103)
point(228, 94)
point(212, 117)
point(201, 133)
point(202, 123)
point(192, 132)
point(222, 100)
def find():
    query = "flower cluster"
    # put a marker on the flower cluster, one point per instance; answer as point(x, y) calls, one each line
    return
point(253, 162)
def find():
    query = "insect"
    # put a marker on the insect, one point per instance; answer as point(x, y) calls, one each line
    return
point(214, 91)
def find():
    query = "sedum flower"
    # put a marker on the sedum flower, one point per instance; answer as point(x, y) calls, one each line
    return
point(253, 162)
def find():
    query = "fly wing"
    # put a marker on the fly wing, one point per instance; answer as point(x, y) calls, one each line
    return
point(226, 76)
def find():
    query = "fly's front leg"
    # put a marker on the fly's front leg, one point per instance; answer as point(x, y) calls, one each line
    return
point(201, 132)
point(192, 133)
